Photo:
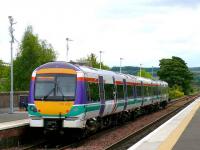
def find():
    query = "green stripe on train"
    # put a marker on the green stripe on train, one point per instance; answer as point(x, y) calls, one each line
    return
point(76, 110)
point(120, 104)
point(92, 107)
point(133, 101)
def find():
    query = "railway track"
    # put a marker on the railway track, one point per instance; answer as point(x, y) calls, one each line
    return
point(134, 137)
point(48, 144)
point(121, 144)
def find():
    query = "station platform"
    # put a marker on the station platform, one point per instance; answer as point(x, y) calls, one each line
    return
point(181, 132)
point(16, 119)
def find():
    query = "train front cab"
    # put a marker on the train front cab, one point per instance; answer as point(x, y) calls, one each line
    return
point(54, 93)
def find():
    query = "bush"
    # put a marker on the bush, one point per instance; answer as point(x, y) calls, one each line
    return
point(175, 92)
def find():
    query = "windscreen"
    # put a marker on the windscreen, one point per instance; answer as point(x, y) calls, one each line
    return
point(58, 87)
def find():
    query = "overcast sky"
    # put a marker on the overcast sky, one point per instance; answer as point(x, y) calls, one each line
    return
point(140, 31)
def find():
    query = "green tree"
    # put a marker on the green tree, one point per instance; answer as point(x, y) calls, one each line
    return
point(91, 61)
point(175, 92)
point(4, 76)
point(144, 74)
point(175, 72)
point(33, 53)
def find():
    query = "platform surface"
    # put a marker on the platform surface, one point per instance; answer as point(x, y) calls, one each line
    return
point(13, 120)
point(181, 132)
point(17, 115)
point(190, 139)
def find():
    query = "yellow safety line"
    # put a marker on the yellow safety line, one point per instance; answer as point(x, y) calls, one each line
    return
point(174, 136)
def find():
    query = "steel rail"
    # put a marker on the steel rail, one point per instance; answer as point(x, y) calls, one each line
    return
point(134, 137)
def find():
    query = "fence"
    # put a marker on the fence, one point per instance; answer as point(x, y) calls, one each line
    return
point(5, 100)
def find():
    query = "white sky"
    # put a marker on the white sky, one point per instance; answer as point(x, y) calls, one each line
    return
point(140, 31)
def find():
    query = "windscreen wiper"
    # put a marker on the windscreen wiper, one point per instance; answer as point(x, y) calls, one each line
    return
point(45, 97)
point(59, 88)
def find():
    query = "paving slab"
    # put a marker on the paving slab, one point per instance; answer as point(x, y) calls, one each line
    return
point(190, 139)
point(17, 115)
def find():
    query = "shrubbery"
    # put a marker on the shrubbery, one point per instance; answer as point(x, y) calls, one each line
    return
point(175, 92)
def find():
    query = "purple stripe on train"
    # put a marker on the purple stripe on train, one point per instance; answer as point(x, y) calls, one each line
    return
point(81, 97)
point(31, 92)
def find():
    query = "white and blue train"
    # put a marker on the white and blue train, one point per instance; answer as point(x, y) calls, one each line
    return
point(64, 95)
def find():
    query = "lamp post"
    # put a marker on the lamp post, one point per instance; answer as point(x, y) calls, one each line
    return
point(100, 57)
point(120, 65)
point(140, 70)
point(68, 39)
point(152, 71)
point(11, 30)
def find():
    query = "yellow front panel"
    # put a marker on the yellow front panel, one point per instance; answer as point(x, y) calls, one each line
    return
point(53, 107)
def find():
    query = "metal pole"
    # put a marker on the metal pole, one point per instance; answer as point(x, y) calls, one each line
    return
point(67, 39)
point(152, 71)
point(11, 63)
point(120, 65)
point(11, 89)
point(67, 48)
point(100, 58)
point(140, 70)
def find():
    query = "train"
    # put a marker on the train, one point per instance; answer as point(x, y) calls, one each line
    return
point(65, 96)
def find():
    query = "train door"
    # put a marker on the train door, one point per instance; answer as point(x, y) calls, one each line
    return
point(142, 93)
point(115, 96)
point(102, 95)
point(152, 95)
point(92, 107)
point(115, 89)
point(125, 93)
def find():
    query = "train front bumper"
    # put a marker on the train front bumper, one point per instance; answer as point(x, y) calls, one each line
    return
point(65, 123)
point(73, 123)
point(36, 122)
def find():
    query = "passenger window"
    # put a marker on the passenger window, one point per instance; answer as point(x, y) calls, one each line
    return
point(130, 91)
point(93, 92)
point(150, 90)
point(134, 91)
point(155, 90)
point(139, 91)
point(120, 92)
point(159, 90)
point(146, 91)
point(109, 91)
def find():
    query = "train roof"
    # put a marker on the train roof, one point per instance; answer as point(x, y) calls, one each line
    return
point(105, 73)
point(121, 76)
